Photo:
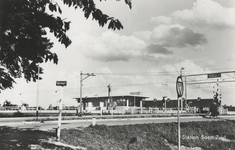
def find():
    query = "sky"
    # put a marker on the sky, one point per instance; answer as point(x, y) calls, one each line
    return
point(159, 38)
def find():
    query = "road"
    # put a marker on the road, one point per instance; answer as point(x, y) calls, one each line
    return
point(47, 125)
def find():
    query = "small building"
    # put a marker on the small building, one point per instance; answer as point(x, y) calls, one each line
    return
point(114, 101)
point(200, 104)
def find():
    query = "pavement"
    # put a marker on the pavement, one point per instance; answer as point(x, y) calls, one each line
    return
point(107, 120)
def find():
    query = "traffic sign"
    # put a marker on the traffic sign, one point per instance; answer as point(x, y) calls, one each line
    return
point(135, 93)
point(61, 83)
point(214, 75)
point(179, 86)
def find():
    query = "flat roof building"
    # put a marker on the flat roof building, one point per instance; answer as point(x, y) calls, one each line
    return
point(114, 101)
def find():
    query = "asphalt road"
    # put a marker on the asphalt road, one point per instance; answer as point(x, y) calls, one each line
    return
point(47, 125)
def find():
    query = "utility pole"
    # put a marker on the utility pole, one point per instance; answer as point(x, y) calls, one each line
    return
point(110, 99)
point(181, 105)
point(81, 79)
point(185, 87)
point(37, 94)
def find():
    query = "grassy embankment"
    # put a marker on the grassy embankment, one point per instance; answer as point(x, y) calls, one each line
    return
point(211, 135)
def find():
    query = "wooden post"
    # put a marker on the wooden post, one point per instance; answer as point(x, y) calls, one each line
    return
point(60, 114)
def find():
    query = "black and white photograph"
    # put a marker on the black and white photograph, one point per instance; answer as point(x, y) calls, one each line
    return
point(117, 75)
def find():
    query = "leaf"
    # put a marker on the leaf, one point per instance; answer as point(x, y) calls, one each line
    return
point(51, 7)
point(118, 25)
point(66, 25)
point(60, 11)
point(128, 2)
point(55, 58)
point(111, 25)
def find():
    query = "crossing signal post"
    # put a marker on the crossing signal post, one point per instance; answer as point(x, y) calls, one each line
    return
point(180, 91)
point(218, 96)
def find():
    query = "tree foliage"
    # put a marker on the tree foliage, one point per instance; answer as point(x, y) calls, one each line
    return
point(24, 43)
point(7, 103)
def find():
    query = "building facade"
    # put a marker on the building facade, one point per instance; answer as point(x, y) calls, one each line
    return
point(112, 102)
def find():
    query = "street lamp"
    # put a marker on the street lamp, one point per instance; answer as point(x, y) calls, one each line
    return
point(37, 93)
point(181, 69)
point(81, 79)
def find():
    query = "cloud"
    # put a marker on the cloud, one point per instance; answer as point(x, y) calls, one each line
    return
point(158, 49)
point(168, 73)
point(189, 67)
point(148, 45)
point(207, 13)
point(143, 35)
point(176, 36)
point(111, 47)
point(161, 20)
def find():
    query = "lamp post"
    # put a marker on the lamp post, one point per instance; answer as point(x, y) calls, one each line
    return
point(181, 105)
point(81, 79)
point(164, 96)
point(37, 94)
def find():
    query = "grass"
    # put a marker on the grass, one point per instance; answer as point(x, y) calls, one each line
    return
point(153, 136)
point(26, 139)
point(220, 136)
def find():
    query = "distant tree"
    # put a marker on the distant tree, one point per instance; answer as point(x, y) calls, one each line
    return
point(214, 106)
point(50, 107)
point(214, 110)
point(23, 36)
point(25, 105)
point(55, 107)
point(7, 103)
point(216, 99)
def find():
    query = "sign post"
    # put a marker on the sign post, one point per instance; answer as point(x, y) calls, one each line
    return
point(60, 83)
point(214, 75)
point(180, 91)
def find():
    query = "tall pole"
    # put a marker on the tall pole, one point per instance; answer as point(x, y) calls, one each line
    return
point(81, 79)
point(109, 90)
point(81, 93)
point(181, 100)
point(37, 94)
point(178, 119)
point(180, 91)
point(60, 113)
point(165, 104)
point(186, 104)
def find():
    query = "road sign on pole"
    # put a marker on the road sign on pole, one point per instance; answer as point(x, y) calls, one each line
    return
point(180, 91)
point(179, 86)
point(214, 75)
point(60, 83)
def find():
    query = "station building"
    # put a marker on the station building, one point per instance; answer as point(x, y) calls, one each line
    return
point(114, 102)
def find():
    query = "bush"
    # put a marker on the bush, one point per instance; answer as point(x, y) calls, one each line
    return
point(152, 136)
point(18, 114)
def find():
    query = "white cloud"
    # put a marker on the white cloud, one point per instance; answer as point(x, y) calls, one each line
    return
point(169, 72)
point(143, 35)
point(176, 36)
point(207, 14)
point(161, 20)
point(111, 47)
